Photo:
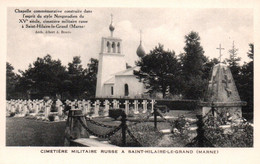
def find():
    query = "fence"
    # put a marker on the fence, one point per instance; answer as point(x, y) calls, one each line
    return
point(75, 117)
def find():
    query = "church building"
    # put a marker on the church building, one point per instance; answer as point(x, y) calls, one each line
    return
point(113, 78)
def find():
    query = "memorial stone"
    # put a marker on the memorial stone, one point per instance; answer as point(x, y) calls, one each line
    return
point(222, 95)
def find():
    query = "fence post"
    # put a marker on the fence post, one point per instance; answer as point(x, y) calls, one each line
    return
point(200, 131)
point(155, 118)
point(123, 120)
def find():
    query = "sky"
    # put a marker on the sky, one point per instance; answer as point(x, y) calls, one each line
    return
point(167, 26)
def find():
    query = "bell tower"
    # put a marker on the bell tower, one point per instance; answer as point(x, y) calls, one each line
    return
point(111, 60)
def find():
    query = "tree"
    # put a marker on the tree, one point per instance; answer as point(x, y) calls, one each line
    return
point(91, 77)
point(245, 83)
point(193, 58)
point(11, 81)
point(232, 62)
point(192, 61)
point(81, 82)
point(250, 53)
point(208, 66)
point(45, 77)
point(76, 77)
point(158, 70)
point(75, 67)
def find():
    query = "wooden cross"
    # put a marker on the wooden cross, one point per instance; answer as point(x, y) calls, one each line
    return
point(220, 52)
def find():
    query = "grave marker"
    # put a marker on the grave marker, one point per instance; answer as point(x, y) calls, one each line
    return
point(106, 109)
point(126, 107)
point(144, 106)
point(96, 108)
point(135, 103)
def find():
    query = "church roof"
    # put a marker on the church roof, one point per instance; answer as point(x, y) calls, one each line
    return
point(127, 72)
point(110, 81)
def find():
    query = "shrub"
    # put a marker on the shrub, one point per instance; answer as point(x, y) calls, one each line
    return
point(179, 104)
point(51, 117)
point(53, 108)
point(181, 124)
point(91, 112)
point(181, 135)
point(239, 135)
point(12, 114)
point(145, 134)
point(115, 113)
point(101, 111)
point(116, 139)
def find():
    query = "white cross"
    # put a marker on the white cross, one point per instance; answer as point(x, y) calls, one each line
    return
point(136, 106)
point(115, 104)
point(144, 106)
point(107, 103)
point(126, 103)
point(153, 102)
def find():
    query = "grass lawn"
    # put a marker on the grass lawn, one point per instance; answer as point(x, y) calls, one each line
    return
point(28, 132)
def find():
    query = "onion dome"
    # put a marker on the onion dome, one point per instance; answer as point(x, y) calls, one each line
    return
point(140, 50)
point(111, 26)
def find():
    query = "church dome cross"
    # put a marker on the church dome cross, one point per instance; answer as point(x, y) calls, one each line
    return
point(111, 26)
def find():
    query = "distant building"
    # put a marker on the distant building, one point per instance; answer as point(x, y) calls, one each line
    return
point(113, 78)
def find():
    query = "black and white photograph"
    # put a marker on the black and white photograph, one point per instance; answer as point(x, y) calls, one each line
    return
point(129, 80)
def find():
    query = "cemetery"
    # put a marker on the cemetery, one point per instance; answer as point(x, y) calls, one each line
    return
point(162, 101)
point(137, 125)
point(217, 122)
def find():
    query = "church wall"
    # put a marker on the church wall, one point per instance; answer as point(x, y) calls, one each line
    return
point(109, 65)
point(135, 87)
point(107, 90)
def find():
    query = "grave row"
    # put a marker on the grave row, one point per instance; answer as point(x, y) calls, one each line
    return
point(25, 107)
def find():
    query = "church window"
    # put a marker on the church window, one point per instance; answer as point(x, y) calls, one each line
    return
point(114, 47)
point(108, 47)
point(126, 90)
point(112, 90)
point(118, 47)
